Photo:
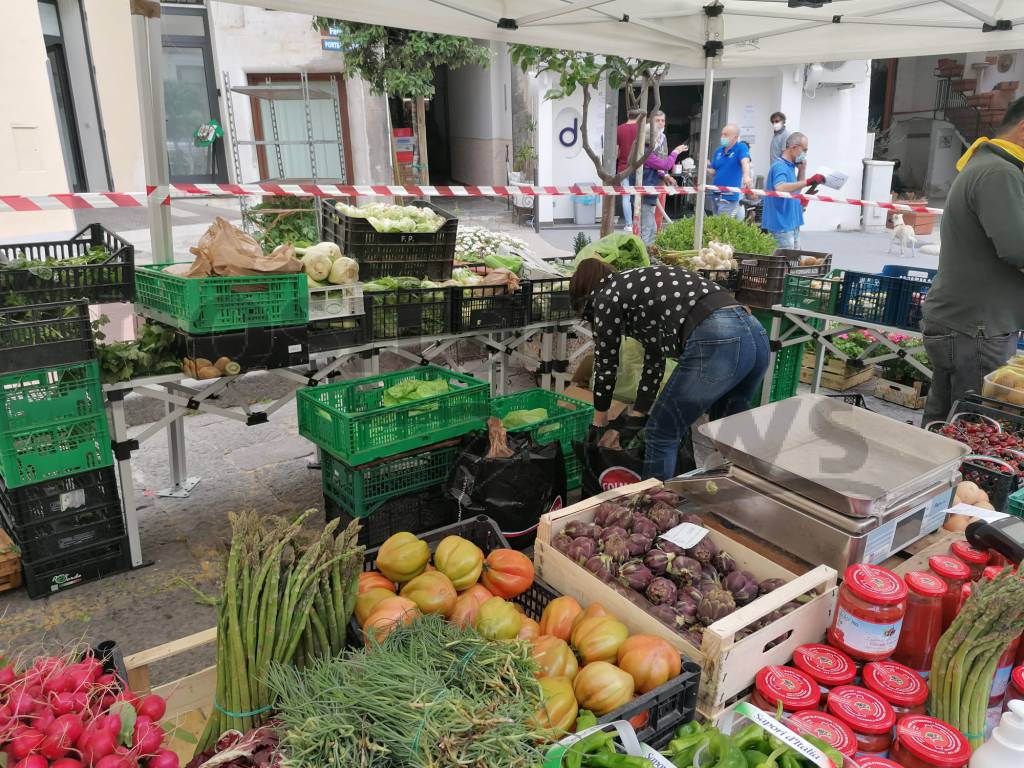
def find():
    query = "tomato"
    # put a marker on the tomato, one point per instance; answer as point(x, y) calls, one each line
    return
point(460, 560)
point(555, 657)
point(498, 620)
point(529, 631)
point(432, 592)
point(594, 609)
point(388, 614)
point(558, 617)
point(367, 601)
point(598, 638)
point(650, 660)
point(467, 605)
point(507, 573)
point(402, 557)
point(374, 580)
point(558, 712)
point(602, 687)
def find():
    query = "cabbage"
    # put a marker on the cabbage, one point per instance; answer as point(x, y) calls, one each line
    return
point(384, 217)
point(413, 390)
point(523, 418)
point(344, 271)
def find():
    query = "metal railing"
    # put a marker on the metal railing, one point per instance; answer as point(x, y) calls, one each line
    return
point(950, 102)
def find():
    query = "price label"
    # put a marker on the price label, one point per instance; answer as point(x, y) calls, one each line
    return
point(685, 535)
point(785, 735)
point(985, 514)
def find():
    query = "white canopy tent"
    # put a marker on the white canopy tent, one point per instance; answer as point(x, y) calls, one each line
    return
point(715, 34)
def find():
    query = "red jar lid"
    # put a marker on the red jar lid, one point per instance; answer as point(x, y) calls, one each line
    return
point(969, 554)
point(949, 567)
point(1017, 678)
point(875, 584)
point(895, 683)
point(876, 762)
point(861, 709)
point(829, 729)
point(925, 584)
point(795, 689)
point(827, 665)
point(991, 571)
point(933, 741)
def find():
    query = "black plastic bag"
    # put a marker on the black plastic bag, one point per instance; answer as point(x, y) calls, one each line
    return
point(605, 468)
point(516, 491)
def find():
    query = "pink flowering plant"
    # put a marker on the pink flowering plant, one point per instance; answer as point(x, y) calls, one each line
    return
point(901, 371)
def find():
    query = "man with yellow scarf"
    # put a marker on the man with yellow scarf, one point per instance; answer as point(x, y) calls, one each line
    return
point(974, 310)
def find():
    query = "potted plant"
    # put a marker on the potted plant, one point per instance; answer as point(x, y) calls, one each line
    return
point(902, 383)
point(839, 374)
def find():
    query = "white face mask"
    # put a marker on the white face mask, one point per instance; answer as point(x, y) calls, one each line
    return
point(777, 127)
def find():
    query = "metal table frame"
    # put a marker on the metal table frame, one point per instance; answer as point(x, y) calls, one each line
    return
point(801, 330)
point(501, 347)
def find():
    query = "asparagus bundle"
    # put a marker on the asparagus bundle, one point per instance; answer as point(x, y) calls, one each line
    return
point(287, 599)
point(965, 659)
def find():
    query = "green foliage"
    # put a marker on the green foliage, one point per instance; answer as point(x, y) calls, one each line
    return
point(576, 69)
point(743, 237)
point(277, 228)
point(401, 62)
point(581, 241)
point(43, 268)
point(151, 354)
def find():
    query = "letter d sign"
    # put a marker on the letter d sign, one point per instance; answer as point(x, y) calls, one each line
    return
point(568, 135)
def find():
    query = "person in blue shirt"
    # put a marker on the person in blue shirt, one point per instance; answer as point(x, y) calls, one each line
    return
point(783, 216)
point(730, 167)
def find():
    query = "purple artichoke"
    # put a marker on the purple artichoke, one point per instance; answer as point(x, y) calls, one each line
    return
point(672, 549)
point(638, 544)
point(644, 527)
point(664, 495)
point(600, 566)
point(742, 585)
point(606, 512)
point(622, 517)
point(695, 635)
point(578, 528)
point(769, 585)
point(723, 562)
point(691, 517)
point(686, 604)
point(704, 550)
point(664, 516)
point(635, 575)
point(561, 542)
point(716, 605)
point(789, 607)
point(708, 572)
point(690, 592)
point(667, 614)
point(658, 561)
point(582, 549)
point(660, 591)
point(613, 530)
point(707, 586)
point(617, 549)
point(685, 570)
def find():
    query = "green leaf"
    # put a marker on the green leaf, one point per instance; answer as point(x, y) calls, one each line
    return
point(128, 716)
point(174, 732)
point(3, 760)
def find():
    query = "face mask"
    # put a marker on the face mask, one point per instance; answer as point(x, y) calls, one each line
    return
point(802, 157)
point(777, 127)
point(724, 141)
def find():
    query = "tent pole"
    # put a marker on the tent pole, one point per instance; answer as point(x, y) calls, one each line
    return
point(146, 42)
point(705, 149)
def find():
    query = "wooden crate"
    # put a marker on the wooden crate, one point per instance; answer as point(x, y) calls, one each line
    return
point(839, 382)
point(10, 563)
point(728, 663)
point(902, 394)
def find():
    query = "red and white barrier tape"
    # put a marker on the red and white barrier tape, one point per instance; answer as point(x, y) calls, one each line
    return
point(163, 195)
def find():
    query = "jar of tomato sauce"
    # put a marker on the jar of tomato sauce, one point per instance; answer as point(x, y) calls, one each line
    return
point(922, 626)
point(924, 742)
point(829, 729)
point(869, 612)
point(877, 762)
point(1015, 690)
point(1000, 685)
point(827, 666)
point(904, 689)
point(975, 559)
point(869, 716)
point(955, 573)
point(794, 689)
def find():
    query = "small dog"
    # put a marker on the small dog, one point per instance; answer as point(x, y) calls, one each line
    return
point(904, 235)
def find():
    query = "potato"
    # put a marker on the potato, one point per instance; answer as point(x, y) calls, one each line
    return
point(222, 363)
point(188, 367)
point(970, 493)
point(209, 372)
point(202, 362)
point(957, 523)
point(984, 505)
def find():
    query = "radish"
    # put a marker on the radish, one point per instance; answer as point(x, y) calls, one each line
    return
point(164, 759)
point(53, 747)
point(67, 728)
point(66, 762)
point(147, 736)
point(153, 707)
point(79, 676)
point(25, 743)
point(100, 745)
point(94, 668)
point(20, 702)
point(33, 761)
point(64, 703)
point(106, 681)
point(42, 717)
point(7, 675)
point(112, 761)
point(57, 683)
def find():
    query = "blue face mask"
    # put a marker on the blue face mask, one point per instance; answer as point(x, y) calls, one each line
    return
point(802, 157)
point(724, 141)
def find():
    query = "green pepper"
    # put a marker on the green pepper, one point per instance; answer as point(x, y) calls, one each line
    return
point(833, 754)
point(586, 719)
point(595, 742)
point(681, 751)
point(790, 760)
point(728, 755)
point(751, 737)
point(690, 728)
point(616, 761)
point(772, 760)
point(754, 757)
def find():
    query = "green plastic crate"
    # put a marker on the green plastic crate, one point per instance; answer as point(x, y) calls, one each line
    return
point(32, 455)
point(350, 421)
point(212, 304)
point(816, 294)
point(785, 376)
point(1015, 506)
point(360, 491)
point(41, 397)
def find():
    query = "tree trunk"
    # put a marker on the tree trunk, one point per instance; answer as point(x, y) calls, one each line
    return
point(607, 215)
point(421, 139)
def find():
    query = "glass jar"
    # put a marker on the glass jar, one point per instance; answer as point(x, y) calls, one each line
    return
point(924, 742)
point(869, 612)
point(904, 689)
point(829, 729)
point(1015, 690)
point(1000, 685)
point(869, 716)
point(794, 689)
point(954, 572)
point(975, 559)
point(922, 626)
point(827, 666)
point(877, 762)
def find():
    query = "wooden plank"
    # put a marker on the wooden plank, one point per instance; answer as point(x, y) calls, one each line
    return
point(173, 648)
point(757, 544)
point(191, 692)
point(836, 382)
point(919, 561)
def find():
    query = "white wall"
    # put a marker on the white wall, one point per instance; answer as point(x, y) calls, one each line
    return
point(751, 102)
point(990, 77)
point(480, 119)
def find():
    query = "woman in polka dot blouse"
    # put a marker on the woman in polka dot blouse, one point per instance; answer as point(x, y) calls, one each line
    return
point(722, 350)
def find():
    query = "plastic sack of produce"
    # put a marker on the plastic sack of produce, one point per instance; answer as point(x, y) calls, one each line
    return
point(510, 478)
point(604, 466)
point(620, 249)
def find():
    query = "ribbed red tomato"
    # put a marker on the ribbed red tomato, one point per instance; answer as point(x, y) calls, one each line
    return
point(507, 573)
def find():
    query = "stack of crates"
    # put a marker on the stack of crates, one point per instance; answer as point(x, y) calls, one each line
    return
point(788, 360)
point(373, 452)
point(58, 492)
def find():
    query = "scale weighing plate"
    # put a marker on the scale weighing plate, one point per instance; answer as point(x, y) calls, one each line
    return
point(810, 530)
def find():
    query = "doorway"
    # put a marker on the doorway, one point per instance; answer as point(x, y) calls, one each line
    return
point(60, 84)
point(190, 97)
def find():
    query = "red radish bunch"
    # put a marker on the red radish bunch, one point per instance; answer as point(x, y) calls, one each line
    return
point(60, 713)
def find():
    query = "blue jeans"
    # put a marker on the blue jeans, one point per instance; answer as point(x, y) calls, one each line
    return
point(627, 211)
point(729, 208)
point(718, 373)
point(790, 239)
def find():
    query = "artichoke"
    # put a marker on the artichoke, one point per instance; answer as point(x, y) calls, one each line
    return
point(638, 544)
point(617, 549)
point(686, 604)
point(708, 572)
point(577, 528)
point(724, 562)
point(620, 516)
point(582, 549)
point(769, 585)
point(704, 550)
point(605, 512)
point(660, 591)
point(716, 605)
point(667, 614)
point(695, 635)
point(685, 570)
point(690, 517)
point(707, 586)
point(600, 566)
point(658, 561)
point(635, 575)
point(561, 542)
point(645, 527)
point(664, 516)
point(742, 585)
point(672, 549)
point(613, 530)
point(664, 495)
point(691, 592)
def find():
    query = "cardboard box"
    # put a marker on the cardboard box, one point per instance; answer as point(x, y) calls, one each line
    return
point(580, 393)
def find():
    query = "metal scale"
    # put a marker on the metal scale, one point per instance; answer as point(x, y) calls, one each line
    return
point(826, 481)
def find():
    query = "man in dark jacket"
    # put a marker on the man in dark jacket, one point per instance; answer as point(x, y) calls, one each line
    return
point(975, 308)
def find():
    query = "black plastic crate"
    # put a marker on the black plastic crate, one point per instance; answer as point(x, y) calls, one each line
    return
point(111, 280)
point(44, 335)
point(855, 399)
point(992, 476)
point(763, 278)
point(408, 313)
point(48, 577)
point(338, 333)
point(488, 307)
point(66, 533)
point(667, 706)
point(549, 300)
point(726, 278)
point(414, 512)
point(251, 348)
point(426, 255)
point(35, 503)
